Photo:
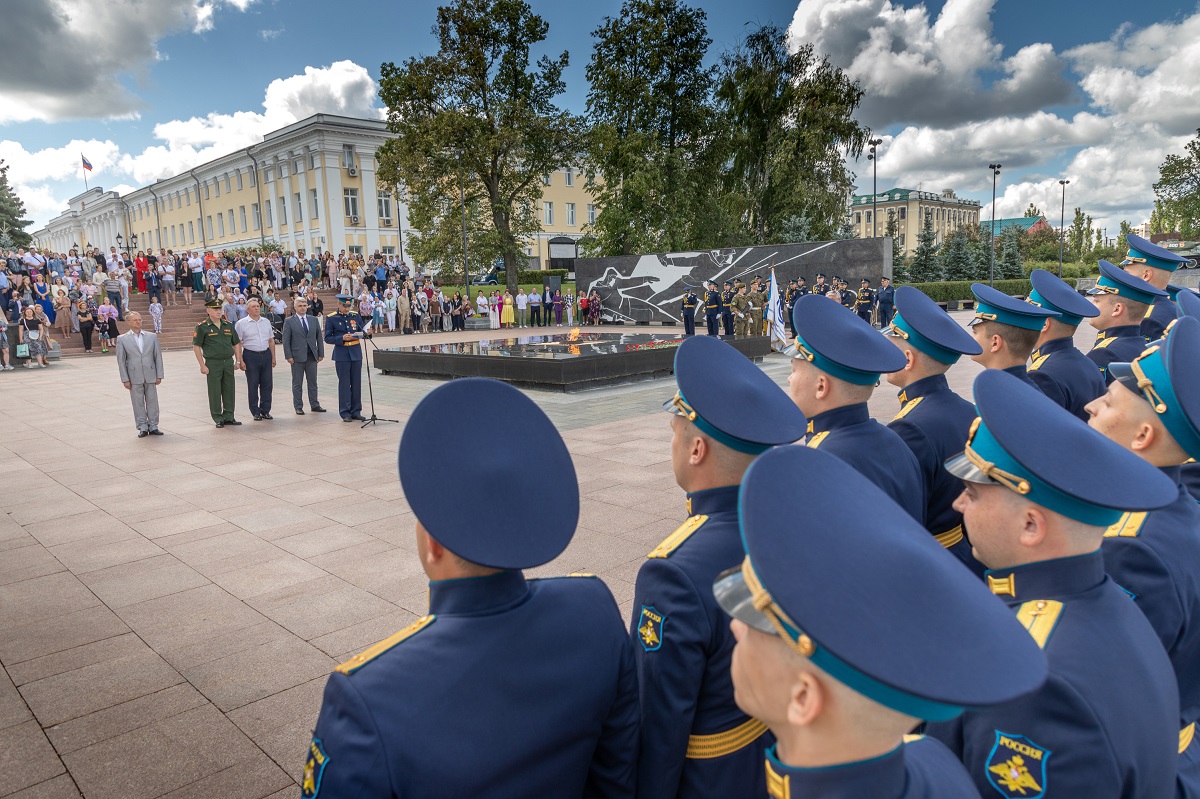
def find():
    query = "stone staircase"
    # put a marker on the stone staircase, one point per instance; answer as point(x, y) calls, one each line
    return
point(179, 322)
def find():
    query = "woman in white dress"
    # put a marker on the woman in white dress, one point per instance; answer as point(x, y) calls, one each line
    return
point(481, 304)
point(494, 310)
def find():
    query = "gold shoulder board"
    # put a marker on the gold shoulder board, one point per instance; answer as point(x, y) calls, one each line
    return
point(366, 656)
point(1038, 361)
point(1102, 344)
point(676, 539)
point(912, 738)
point(907, 409)
point(1128, 526)
point(1040, 617)
point(816, 440)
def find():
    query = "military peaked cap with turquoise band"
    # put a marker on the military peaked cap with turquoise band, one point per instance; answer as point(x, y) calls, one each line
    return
point(1165, 375)
point(1027, 443)
point(933, 640)
point(730, 399)
point(838, 342)
point(1142, 251)
point(996, 306)
point(923, 324)
point(1115, 280)
point(1055, 294)
point(1189, 303)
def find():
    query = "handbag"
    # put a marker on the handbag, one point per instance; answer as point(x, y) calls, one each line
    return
point(22, 350)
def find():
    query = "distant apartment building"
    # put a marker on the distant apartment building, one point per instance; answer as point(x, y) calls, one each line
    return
point(869, 214)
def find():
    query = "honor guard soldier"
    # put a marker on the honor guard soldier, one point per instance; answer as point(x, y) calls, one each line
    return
point(836, 362)
point(219, 353)
point(795, 290)
point(849, 298)
point(1062, 372)
point(712, 309)
point(864, 302)
point(1106, 723)
point(345, 330)
point(741, 308)
point(763, 300)
point(839, 688)
point(509, 686)
point(726, 311)
point(1155, 265)
point(688, 307)
point(933, 420)
point(1153, 409)
point(886, 300)
point(1007, 330)
point(1123, 301)
point(695, 742)
point(819, 286)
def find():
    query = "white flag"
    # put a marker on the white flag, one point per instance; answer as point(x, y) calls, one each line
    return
point(776, 326)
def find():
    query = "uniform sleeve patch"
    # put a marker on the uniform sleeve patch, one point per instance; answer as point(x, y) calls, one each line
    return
point(314, 769)
point(1017, 767)
point(650, 629)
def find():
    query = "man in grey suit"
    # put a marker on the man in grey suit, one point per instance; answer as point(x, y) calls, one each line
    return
point(304, 348)
point(139, 359)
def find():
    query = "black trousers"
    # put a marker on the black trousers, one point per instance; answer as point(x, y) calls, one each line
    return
point(85, 330)
point(535, 315)
point(727, 321)
point(349, 375)
point(259, 380)
point(791, 320)
point(864, 314)
point(711, 319)
point(689, 323)
point(885, 314)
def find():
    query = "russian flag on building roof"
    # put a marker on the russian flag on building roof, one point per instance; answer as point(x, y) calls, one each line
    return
point(86, 163)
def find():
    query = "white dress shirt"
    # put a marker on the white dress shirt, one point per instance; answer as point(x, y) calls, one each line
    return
point(255, 336)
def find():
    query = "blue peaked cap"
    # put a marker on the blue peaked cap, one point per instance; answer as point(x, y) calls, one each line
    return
point(835, 340)
point(1142, 251)
point(1165, 375)
point(1054, 294)
point(923, 324)
point(1115, 280)
point(996, 306)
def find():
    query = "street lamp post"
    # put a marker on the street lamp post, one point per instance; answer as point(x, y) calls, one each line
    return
point(873, 144)
point(1062, 224)
point(992, 270)
point(127, 247)
point(462, 196)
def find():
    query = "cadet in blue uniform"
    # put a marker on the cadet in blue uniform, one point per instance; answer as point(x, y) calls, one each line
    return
point(1155, 265)
point(819, 287)
point(688, 306)
point(837, 359)
point(1122, 301)
point(1062, 372)
point(726, 310)
point(1106, 723)
point(345, 329)
point(509, 686)
point(864, 302)
point(712, 309)
point(1007, 330)
point(886, 298)
point(695, 740)
point(838, 687)
point(1153, 409)
point(1189, 305)
point(933, 420)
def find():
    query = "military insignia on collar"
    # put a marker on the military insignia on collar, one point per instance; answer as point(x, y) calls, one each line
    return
point(314, 768)
point(1017, 766)
point(650, 628)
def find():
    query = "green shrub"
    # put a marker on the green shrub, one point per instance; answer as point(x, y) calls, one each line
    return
point(533, 275)
point(959, 290)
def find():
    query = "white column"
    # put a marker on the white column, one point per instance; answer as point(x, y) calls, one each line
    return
point(303, 237)
point(370, 206)
point(335, 222)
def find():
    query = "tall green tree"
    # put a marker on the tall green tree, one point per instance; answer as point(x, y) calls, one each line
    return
point(893, 232)
point(480, 108)
point(1008, 260)
point(789, 120)
point(1077, 235)
point(1178, 188)
point(1126, 229)
point(924, 267)
point(979, 253)
point(1032, 211)
point(12, 212)
point(650, 110)
point(955, 257)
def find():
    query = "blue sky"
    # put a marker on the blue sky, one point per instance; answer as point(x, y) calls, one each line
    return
point(218, 57)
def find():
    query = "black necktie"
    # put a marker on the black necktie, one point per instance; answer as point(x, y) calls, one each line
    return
point(304, 322)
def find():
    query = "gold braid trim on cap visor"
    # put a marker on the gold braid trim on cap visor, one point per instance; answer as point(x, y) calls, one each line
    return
point(1006, 479)
point(678, 406)
point(804, 352)
point(767, 607)
point(987, 317)
point(1145, 384)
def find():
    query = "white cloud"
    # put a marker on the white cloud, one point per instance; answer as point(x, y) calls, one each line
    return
point(268, 35)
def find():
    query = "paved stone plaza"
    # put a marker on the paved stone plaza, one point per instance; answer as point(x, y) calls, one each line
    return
point(170, 607)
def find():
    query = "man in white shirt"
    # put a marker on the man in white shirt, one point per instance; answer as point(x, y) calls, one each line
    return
point(140, 363)
point(258, 355)
point(522, 308)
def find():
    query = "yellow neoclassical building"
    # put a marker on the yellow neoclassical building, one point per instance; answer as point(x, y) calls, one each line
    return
point(947, 211)
point(310, 186)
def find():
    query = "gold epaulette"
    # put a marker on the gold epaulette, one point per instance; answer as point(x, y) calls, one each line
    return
point(1128, 526)
point(816, 440)
point(907, 409)
point(366, 656)
point(676, 539)
point(1038, 361)
point(1185, 737)
point(1102, 344)
point(1040, 617)
point(912, 738)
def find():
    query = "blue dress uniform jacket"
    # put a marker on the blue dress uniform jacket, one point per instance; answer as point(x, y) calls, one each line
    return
point(1066, 375)
point(875, 452)
point(919, 769)
point(934, 423)
point(1155, 556)
point(1121, 344)
point(1162, 313)
point(1022, 373)
point(712, 312)
point(1190, 474)
point(509, 688)
point(688, 308)
point(696, 742)
point(1105, 723)
point(337, 325)
point(727, 312)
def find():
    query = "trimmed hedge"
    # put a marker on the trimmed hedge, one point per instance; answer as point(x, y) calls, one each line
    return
point(959, 290)
point(533, 275)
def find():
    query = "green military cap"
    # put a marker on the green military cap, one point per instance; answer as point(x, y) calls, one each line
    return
point(213, 303)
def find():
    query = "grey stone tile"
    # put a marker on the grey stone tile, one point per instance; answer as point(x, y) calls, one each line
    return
point(26, 757)
point(35, 639)
point(70, 659)
point(259, 672)
point(60, 787)
point(268, 576)
point(85, 556)
point(317, 542)
point(85, 690)
point(120, 719)
point(363, 511)
point(26, 563)
point(93, 526)
point(13, 709)
point(358, 637)
point(320, 606)
point(249, 779)
point(142, 580)
point(43, 597)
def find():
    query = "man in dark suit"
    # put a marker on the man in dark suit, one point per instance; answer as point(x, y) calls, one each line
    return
point(547, 305)
point(304, 349)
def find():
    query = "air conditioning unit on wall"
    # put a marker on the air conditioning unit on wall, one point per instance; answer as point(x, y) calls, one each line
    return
point(387, 221)
point(353, 170)
point(354, 220)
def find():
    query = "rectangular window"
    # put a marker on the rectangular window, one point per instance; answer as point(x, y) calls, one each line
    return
point(387, 250)
point(206, 191)
point(299, 207)
point(548, 213)
point(385, 205)
point(282, 211)
point(901, 239)
point(170, 202)
point(253, 175)
point(591, 211)
point(239, 180)
point(173, 241)
point(316, 208)
point(546, 179)
point(283, 170)
point(350, 200)
point(570, 213)
point(231, 227)
point(570, 176)
point(210, 227)
point(268, 174)
point(181, 236)
point(314, 161)
point(221, 225)
point(217, 187)
point(242, 213)
point(267, 214)
point(256, 215)
point(347, 156)
point(227, 188)
point(297, 165)
point(858, 217)
point(868, 217)
point(191, 233)
point(903, 213)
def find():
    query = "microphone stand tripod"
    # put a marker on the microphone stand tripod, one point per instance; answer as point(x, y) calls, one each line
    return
point(370, 389)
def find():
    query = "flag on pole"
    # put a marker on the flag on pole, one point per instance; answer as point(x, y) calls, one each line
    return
point(86, 163)
point(776, 326)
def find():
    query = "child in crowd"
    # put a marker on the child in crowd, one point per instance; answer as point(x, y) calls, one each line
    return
point(156, 313)
point(102, 328)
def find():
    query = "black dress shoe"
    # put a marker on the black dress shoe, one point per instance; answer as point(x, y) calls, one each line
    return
point(318, 409)
point(299, 411)
point(256, 418)
point(233, 422)
point(358, 417)
point(142, 434)
point(347, 419)
point(220, 424)
point(267, 416)
point(156, 432)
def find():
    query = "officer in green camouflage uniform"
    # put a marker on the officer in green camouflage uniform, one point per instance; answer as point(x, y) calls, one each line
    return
point(219, 353)
point(741, 312)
